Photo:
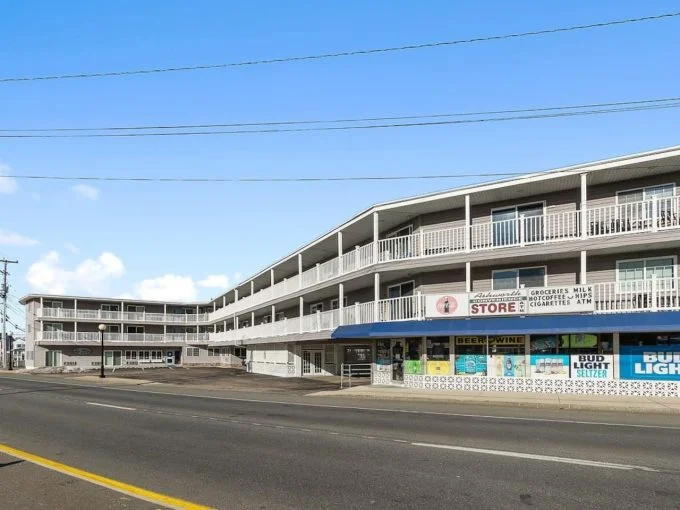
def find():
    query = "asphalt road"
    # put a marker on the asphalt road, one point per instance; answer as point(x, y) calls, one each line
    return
point(241, 453)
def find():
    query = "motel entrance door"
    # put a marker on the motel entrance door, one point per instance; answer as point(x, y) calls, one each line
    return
point(312, 362)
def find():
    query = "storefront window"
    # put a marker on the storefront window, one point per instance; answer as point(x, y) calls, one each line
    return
point(438, 356)
point(578, 343)
point(643, 339)
point(413, 363)
point(650, 356)
point(471, 355)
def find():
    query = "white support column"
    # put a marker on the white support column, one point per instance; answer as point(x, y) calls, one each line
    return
point(341, 303)
point(252, 287)
point(300, 269)
point(468, 277)
point(224, 301)
point(584, 267)
point(376, 237)
point(376, 296)
point(224, 323)
point(252, 319)
point(468, 223)
point(165, 312)
point(214, 306)
point(271, 277)
point(616, 350)
point(584, 205)
point(236, 294)
point(273, 314)
point(302, 311)
point(235, 322)
point(340, 268)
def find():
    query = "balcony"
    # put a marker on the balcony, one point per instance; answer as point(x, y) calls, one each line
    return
point(87, 337)
point(612, 297)
point(105, 315)
point(601, 221)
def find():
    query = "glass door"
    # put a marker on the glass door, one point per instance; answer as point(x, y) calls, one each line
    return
point(398, 360)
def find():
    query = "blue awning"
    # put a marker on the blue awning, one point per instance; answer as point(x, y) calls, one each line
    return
point(535, 324)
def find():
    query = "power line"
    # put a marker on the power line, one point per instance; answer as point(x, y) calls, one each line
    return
point(343, 53)
point(294, 179)
point(337, 121)
point(348, 128)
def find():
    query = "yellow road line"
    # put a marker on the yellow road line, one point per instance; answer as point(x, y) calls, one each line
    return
point(130, 490)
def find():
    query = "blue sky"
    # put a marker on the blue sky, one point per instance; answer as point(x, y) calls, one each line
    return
point(166, 238)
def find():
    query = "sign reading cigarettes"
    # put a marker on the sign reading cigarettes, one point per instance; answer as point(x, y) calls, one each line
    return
point(541, 300)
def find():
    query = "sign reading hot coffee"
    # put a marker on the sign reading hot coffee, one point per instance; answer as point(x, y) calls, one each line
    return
point(561, 299)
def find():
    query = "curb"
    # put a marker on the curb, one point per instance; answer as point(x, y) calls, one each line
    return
point(565, 406)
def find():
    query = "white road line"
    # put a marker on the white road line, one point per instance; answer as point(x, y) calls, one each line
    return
point(111, 406)
point(375, 409)
point(546, 458)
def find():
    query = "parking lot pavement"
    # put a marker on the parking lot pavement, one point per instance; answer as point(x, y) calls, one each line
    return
point(232, 379)
point(25, 486)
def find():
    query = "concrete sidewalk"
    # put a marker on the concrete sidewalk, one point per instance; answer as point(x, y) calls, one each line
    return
point(536, 400)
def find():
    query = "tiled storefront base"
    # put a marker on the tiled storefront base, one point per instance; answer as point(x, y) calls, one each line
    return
point(567, 386)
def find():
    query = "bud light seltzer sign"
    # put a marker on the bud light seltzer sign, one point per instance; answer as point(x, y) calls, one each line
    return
point(659, 363)
point(592, 366)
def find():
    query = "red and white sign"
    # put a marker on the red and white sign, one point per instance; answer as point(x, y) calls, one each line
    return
point(446, 305)
point(497, 302)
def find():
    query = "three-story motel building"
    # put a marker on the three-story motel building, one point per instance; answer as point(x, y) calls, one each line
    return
point(559, 281)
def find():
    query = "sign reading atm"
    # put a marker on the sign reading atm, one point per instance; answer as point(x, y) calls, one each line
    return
point(541, 300)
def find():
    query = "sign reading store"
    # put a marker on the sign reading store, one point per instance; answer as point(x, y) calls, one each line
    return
point(541, 300)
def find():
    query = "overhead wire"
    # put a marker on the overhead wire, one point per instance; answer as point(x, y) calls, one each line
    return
point(348, 120)
point(350, 53)
point(351, 127)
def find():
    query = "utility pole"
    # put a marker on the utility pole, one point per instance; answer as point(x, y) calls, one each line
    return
point(3, 293)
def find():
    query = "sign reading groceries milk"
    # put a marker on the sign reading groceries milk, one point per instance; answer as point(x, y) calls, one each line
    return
point(538, 300)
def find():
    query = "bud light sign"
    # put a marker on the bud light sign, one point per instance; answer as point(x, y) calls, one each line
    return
point(658, 363)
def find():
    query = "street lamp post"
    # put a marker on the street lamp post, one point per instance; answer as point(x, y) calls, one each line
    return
point(102, 328)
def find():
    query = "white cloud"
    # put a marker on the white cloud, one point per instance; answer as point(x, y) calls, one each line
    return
point(7, 184)
point(170, 287)
point(126, 295)
point(14, 239)
point(91, 276)
point(89, 192)
point(72, 248)
point(219, 281)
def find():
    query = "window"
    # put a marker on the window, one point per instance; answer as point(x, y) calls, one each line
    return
point(109, 308)
point(216, 351)
point(144, 355)
point(112, 328)
point(193, 351)
point(508, 279)
point(404, 231)
point(53, 326)
point(135, 329)
point(53, 304)
point(113, 358)
point(53, 358)
point(404, 289)
point(316, 307)
point(648, 193)
point(335, 303)
point(130, 355)
point(505, 226)
point(135, 308)
point(156, 355)
point(631, 274)
point(438, 348)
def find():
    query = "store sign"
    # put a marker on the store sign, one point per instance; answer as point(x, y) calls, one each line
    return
point(550, 366)
point(543, 300)
point(82, 351)
point(505, 340)
point(470, 364)
point(497, 302)
point(413, 366)
point(659, 363)
point(573, 299)
point(592, 366)
point(446, 305)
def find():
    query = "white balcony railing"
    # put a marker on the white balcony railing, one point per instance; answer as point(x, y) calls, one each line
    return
point(106, 315)
point(130, 338)
point(635, 296)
